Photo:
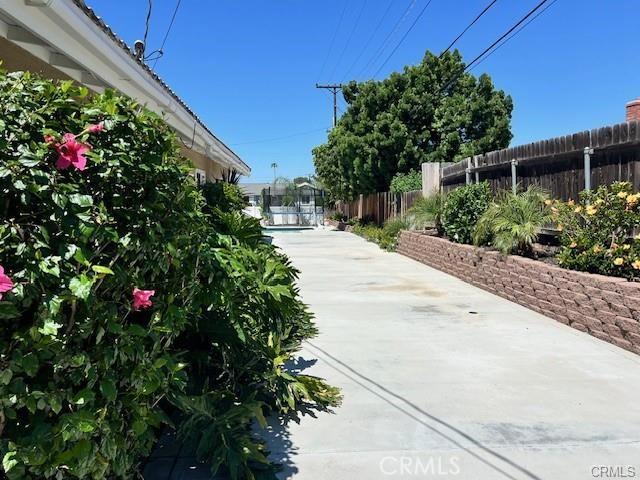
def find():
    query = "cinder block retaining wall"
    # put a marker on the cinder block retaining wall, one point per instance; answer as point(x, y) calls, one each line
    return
point(606, 307)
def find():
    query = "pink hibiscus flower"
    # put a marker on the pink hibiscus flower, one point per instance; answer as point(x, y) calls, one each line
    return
point(6, 284)
point(71, 153)
point(97, 128)
point(141, 298)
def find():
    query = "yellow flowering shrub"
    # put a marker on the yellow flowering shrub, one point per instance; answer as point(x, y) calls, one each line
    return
point(597, 231)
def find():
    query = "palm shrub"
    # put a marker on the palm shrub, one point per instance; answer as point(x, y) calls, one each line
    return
point(123, 299)
point(463, 208)
point(512, 222)
point(597, 231)
point(390, 232)
point(426, 212)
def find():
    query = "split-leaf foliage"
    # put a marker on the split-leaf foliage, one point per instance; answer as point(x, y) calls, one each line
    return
point(86, 382)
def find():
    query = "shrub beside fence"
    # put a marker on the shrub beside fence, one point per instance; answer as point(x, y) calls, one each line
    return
point(379, 207)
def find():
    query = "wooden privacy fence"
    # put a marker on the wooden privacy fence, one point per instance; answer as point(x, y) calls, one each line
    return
point(379, 207)
point(558, 164)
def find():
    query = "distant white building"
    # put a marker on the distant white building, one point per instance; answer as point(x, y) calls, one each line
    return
point(253, 192)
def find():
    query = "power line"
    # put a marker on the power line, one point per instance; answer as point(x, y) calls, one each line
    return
point(373, 34)
point(514, 34)
point(384, 43)
point(490, 47)
point(468, 27)
point(166, 35)
point(507, 33)
point(353, 31)
point(285, 137)
point(333, 40)
point(146, 24)
point(424, 9)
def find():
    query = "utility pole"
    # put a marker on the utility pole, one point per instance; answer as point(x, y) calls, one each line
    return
point(333, 88)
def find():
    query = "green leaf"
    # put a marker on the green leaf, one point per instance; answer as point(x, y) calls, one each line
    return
point(139, 427)
point(257, 411)
point(50, 266)
point(83, 397)
point(59, 199)
point(102, 270)
point(108, 389)
point(29, 162)
point(50, 328)
point(151, 384)
point(54, 403)
point(8, 461)
point(8, 311)
point(81, 200)
point(80, 451)
point(5, 376)
point(79, 257)
point(54, 305)
point(137, 330)
point(81, 286)
point(30, 364)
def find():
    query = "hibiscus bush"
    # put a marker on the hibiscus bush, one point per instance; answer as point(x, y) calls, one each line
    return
point(124, 303)
point(597, 231)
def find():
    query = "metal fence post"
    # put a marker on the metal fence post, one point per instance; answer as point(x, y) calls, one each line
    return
point(588, 151)
point(514, 176)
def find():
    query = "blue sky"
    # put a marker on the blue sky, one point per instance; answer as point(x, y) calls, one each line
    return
point(248, 68)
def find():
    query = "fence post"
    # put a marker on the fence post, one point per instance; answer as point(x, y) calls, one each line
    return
point(475, 164)
point(468, 172)
point(588, 151)
point(431, 176)
point(514, 176)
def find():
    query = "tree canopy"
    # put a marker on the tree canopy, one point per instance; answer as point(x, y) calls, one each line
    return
point(430, 112)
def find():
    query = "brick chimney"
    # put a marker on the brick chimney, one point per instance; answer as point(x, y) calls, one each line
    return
point(633, 110)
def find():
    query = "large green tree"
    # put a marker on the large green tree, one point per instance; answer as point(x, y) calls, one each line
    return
point(431, 112)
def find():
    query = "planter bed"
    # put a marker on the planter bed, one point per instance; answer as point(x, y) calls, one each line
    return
point(606, 307)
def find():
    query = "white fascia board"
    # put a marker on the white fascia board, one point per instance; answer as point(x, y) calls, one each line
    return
point(62, 25)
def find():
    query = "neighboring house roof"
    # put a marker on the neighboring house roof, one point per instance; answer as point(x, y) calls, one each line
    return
point(305, 184)
point(254, 188)
point(75, 47)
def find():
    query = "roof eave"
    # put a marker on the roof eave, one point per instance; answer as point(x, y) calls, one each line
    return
point(75, 32)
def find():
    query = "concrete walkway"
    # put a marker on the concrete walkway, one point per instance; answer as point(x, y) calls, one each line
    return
point(444, 380)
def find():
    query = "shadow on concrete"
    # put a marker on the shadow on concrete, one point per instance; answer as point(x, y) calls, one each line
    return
point(496, 461)
point(282, 451)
